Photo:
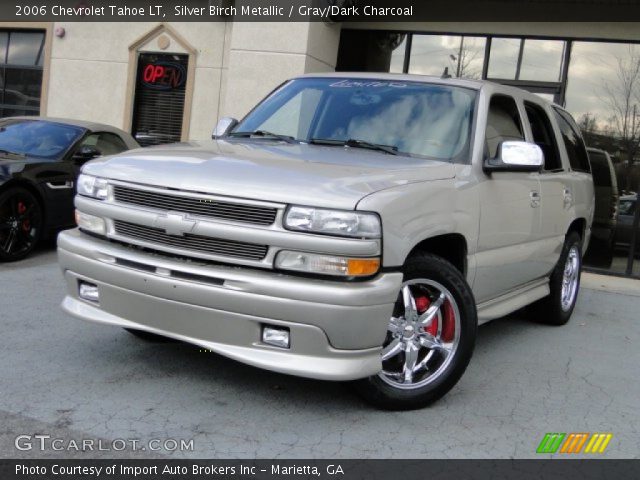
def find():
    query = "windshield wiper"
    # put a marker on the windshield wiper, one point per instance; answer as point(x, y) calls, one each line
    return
point(355, 143)
point(9, 152)
point(264, 133)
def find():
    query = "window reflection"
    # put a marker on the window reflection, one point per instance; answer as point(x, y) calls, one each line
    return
point(603, 94)
point(431, 54)
point(21, 59)
point(397, 57)
point(542, 60)
point(4, 41)
point(24, 48)
point(549, 97)
point(461, 56)
point(471, 57)
point(503, 58)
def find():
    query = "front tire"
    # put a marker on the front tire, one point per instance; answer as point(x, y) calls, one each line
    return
point(564, 283)
point(430, 338)
point(21, 222)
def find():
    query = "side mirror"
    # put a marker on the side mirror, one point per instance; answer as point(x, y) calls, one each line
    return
point(86, 153)
point(224, 126)
point(515, 156)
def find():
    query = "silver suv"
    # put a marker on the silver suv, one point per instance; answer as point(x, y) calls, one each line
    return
point(352, 227)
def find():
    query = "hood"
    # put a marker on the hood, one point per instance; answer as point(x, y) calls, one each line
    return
point(276, 171)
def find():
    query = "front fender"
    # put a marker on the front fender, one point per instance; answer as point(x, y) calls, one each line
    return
point(418, 211)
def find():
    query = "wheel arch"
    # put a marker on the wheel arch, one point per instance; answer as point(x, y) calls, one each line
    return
point(579, 226)
point(27, 185)
point(450, 246)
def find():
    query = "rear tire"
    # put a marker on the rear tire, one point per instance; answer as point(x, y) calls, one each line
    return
point(564, 283)
point(422, 359)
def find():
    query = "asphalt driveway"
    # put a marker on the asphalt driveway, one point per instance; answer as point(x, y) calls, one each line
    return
point(72, 380)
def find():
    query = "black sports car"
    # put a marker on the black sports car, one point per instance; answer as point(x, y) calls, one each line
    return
point(40, 159)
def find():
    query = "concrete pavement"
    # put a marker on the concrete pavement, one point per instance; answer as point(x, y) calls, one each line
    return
point(75, 380)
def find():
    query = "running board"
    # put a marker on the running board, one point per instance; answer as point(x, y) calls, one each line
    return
point(512, 301)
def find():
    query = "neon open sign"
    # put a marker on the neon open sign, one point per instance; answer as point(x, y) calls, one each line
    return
point(164, 75)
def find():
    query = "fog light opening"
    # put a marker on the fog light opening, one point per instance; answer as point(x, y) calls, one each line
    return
point(88, 291)
point(276, 336)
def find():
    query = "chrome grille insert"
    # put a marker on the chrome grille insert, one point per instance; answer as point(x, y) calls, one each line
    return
point(197, 243)
point(237, 212)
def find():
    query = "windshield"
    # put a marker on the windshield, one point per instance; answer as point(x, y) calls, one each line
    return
point(411, 118)
point(37, 138)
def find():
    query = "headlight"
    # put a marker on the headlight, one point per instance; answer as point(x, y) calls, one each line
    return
point(91, 186)
point(327, 264)
point(333, 222)
point(91, 223)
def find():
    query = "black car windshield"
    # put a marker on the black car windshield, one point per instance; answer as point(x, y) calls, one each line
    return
point(37, 138)
point(404, 117)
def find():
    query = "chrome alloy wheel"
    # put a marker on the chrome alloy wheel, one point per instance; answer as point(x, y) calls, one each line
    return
point(422, 337)
point(570, 279)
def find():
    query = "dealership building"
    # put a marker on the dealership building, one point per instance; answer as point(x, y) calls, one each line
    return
point(166, 82)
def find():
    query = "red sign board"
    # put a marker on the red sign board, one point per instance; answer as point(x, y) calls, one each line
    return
point(163, 75)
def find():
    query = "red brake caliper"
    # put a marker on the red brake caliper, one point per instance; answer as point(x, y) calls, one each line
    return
point(422, 303)
point(26, 225)
point(448, 324)
point(448, 319)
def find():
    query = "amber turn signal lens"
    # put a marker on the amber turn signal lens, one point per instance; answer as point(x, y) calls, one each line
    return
point(363, 266)
point(326, 264)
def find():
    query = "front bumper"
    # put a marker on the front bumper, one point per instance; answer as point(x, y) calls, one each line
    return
point(336, 327)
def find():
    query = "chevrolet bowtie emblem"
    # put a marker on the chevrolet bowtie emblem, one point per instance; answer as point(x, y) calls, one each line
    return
point(175, 224)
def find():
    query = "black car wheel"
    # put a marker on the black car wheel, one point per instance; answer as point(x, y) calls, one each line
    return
point(564, 285)
point(20, 224)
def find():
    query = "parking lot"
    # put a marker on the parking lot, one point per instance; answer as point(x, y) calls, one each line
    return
point(74, 380)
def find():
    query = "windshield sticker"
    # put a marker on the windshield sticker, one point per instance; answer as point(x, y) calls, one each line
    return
point(361, 98)
point(366, 83)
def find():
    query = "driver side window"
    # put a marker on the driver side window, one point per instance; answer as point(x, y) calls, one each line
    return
point(106, 143)
point(503, 123)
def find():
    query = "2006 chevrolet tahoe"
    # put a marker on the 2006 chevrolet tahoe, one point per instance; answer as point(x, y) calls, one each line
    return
point(350, 227)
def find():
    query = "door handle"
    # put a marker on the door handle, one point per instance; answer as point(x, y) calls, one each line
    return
point(60, 186)
point(567, 197)
point(535, 198)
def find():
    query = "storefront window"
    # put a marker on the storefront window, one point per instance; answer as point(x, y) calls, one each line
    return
point(397, 57)
point(526, 59)
point(503, 58)
point(603, 94)
point(159, 98)
point(542, 60)
point(460, 56)
point(21, 60)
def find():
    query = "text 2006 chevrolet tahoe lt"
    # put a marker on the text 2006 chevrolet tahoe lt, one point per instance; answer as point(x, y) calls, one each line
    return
point(351, 227)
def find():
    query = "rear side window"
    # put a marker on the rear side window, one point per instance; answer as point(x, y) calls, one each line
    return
point(503, 124)
point(627, 207)
point(600, 169)
point(543, 135)
point(576, 150)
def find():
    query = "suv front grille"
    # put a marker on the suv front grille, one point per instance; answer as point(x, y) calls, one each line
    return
point(196, 243)
point(238, 212)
